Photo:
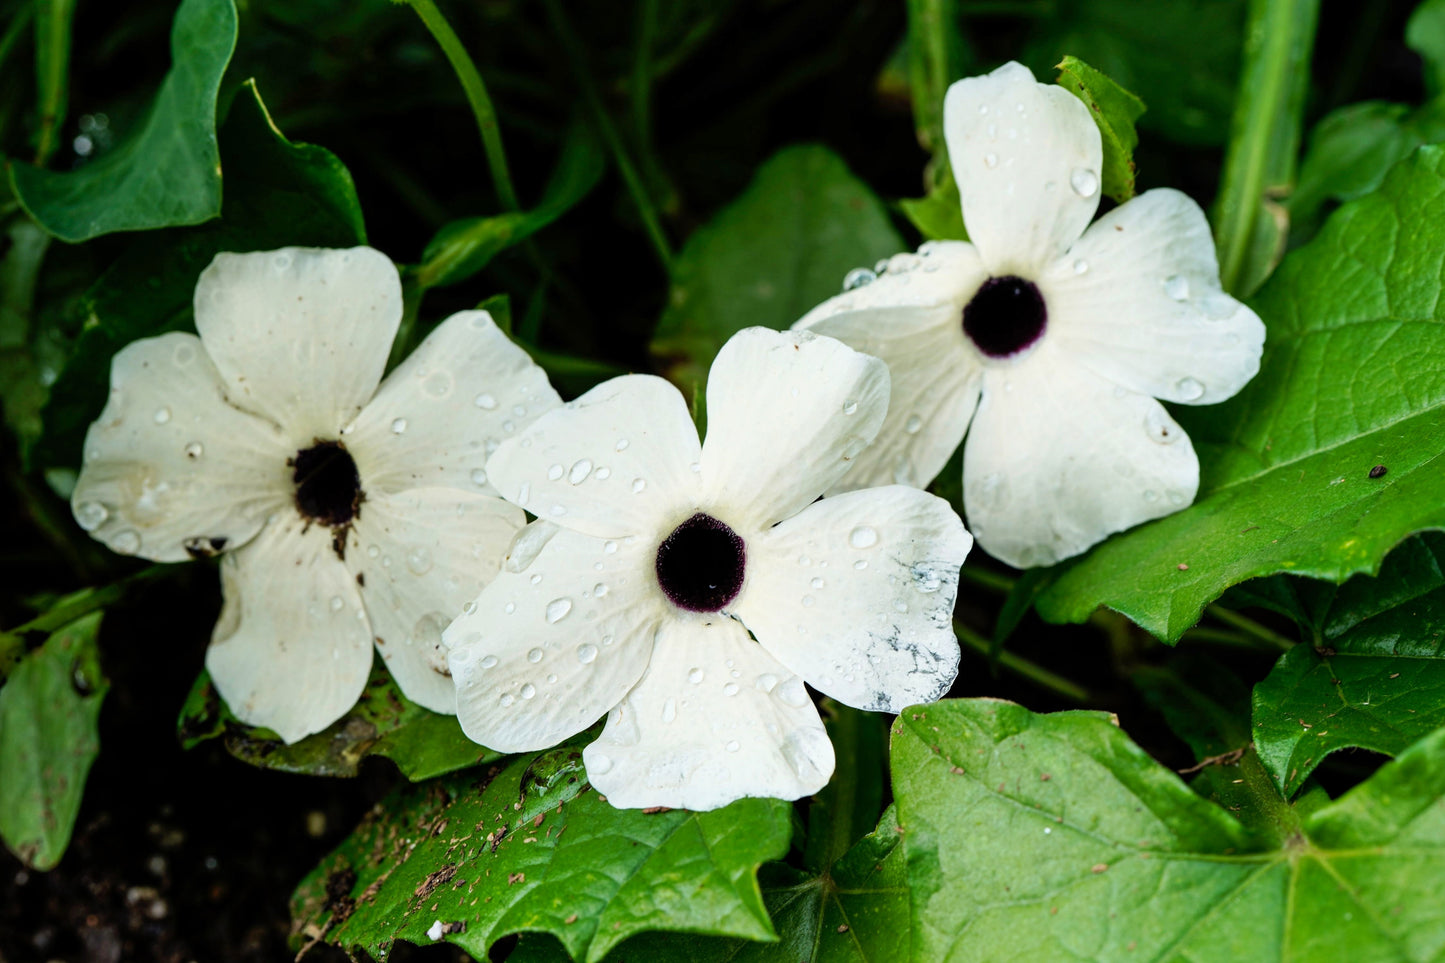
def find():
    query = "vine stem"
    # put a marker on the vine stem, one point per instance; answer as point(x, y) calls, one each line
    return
point(1250, 627)
point(645, 208)
point(476, 91)
point(1037, 674)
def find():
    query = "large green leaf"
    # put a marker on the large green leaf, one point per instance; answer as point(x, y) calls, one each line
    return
point(168, 172)
point(1425, 33)
point(49, 707)
point(1182, 54)
point(277, 194)
point(383, 722)
point(1054, 837)
point(1376, 682)
point(768, 257)
point(530, 847)
point(463, 247)
point(1115, 110)
point(1350, 380)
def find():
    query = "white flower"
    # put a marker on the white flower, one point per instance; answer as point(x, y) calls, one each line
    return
point(658, 555)
point(1051, 336)
point(348, 512)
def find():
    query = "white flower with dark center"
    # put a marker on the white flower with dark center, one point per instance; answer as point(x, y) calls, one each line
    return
point(655, 557)
point(347, 512)
point(1047, 339)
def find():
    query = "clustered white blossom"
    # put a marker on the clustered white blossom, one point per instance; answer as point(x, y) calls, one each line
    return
point(685, 589)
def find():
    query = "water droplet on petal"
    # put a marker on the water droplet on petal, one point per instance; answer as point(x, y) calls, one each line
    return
point(91, 515)
point(1190, 389)
point(1150, 495)
point(863, 537)
point(622, 444)
point(162, 415)
point(1176, 498)
point(609, 547)
point(695, 676)
point(337, 603)
point(580, 470)
point(850, 406)
point(990, 159)
point(817, 583)
point(528, 691)
point(126, 542)
point(509, 608)
point(398, 426)
point(372, 551)
point(599, 590)
point(602, 474)
point(586, 653)
point(555, 472)
point(1081, 266)
point(861, 564)
point(1160, 427)
point(767, 681)
point(599, 764)
point(506, 700)
point(488, 662)
point(857, 278)
point(732, 746)
point(534, 655)
point(557, 609)
point(808, 601)
point(638, 484)
point(419, 561)
point(669, 710)
point(485, 401)
point(1177, 287)
point(470, 608)
point(195, 450)
point(913, 425)
point(792, 693)
point(479, 477)
point(1084, 182)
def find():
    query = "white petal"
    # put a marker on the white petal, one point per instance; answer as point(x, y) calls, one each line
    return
point(856, 594)
point(1058, 459)
point(943, 275)
point(444, 410)
point(300, 335)
point(617, 461)
point(546, 651)
point(714, 719)
point(419, 556)
point(787, 412)
point(171, 469)
point(1027, 158)
point(292, 648)
point(934, 373)
point(1147, 311)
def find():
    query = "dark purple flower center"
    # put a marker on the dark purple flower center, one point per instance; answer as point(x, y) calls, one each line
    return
point(328, 488)
point(700, 565)
point(1005, 316)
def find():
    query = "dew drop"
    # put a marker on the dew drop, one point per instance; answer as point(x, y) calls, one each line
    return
point(900, 606)
point(621, 445)
point(638, 484)
point(509, 608)
point(1081, 266)
point(126, 542)
point(990, 159)
point(1160, 427)
point(551, 678)
point(599, 764)
point(488, 662)
point(528, 691)
point(372, 551)
point(695, 676)
point(91, 515)
point(913, 425)
point(536, 578)
point(195, 450)
point(850, 406)
point(863, 537)
point(506, 700)
point(1177, 287)
point(479, 477)
point(732, 746)
point(586, 653)
point(485, 401)
point(1084, 182)
point(1175, 498)
point(162, 415)
point(602, 474)
point(523, 494)
point(579, 472)
point(1189, 389)
point(470, 608)
point(767, 682)
point(730, 689)
point(1150, 495)
point(557, 609)
point(857, 278)
point(861, 564)
point(669, 710)
point(398, 426)
point(555, 472)
point(337, 603)
point(419, 561)
point(534, 656)
point(808, 601)
point(817, 583)
point(599, 590)
point(609, 547)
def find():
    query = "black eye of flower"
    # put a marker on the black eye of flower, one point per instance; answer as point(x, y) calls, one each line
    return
point(1005, 316)
point(328, 488)
point(700, 565)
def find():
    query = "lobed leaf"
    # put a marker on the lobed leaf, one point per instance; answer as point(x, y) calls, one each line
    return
point(1349, 381)
point(168, 172)
point(1115, 110)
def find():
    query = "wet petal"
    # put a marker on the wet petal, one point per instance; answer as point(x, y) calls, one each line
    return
point(444, 410)
point(419, 556)
point(1059, 458)
point(1027, 158)
point(300, 335)
point(934, 374)
point(942, 275)
point(787, 412)
point(171, 469)
point(1138, 300)
point(616, 461)
point(292, 648)
point(856, 594)
point(715, 719)
point(546, 651)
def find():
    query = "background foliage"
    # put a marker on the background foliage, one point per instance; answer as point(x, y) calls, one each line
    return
point(1226, 740)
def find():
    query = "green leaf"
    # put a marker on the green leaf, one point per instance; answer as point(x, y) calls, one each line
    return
point(277, 194)
point(168, 171)
point(1349, 380)
point(531, 847)
point(1425, 34)
point(939, 215)
point(1114, 109)
point(22, 389)
point(49, 708)
point(463, 247)
point(1352, 149)
point(1054, 837)
point(769, 256)
point(383, 722)
point(1377, 683)
point(1184, 54)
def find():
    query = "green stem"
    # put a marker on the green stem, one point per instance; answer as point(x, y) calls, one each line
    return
point(572, 47)
point(52, 70)
point(1250, 627)
point(1265, 134)
point(1037, 674)
point(1276, 811)
point(930, 25)
point(476, 92)
point(642, 72)
point(987, 579)
point(13, 32)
